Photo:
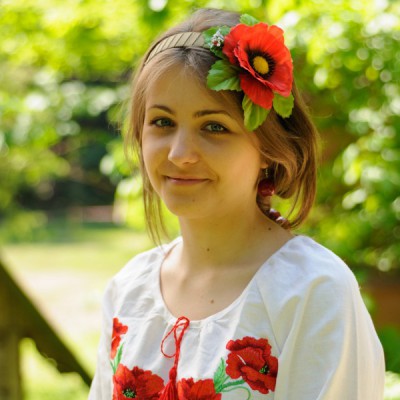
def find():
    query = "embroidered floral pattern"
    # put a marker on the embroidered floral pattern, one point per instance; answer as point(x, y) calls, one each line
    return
point(251, 359)
point(188, 389)
point(249, 365)
point(136, 384)
point(118, 330)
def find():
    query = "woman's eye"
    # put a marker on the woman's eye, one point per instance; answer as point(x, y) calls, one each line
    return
point(162, 122)
point(215, 127)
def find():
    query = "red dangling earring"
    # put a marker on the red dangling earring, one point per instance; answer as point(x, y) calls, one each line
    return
point(266, 186)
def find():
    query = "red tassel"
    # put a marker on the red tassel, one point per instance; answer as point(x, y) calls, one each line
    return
point(170, 391)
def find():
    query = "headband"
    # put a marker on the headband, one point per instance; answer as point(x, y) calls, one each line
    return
point(252, 58)
point(184, 39)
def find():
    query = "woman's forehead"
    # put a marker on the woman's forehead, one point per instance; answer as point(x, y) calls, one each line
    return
point(184, 82)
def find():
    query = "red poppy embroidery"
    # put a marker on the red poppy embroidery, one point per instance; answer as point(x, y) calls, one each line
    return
point(265, 61)
point(251, 359)
point(118, 330)
point(188, 389)
point(136, 384)
point(249, 365)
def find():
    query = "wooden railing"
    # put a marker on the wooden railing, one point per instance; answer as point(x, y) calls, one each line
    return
point(20, 318)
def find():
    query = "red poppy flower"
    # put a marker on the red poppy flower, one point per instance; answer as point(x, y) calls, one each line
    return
point(265, 61)
point(251, 359)
point(118, 330)
point(200, 390)
point(136, 384)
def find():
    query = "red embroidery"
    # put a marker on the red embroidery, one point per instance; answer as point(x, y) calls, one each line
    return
point(251, 359)
point(118, 330)
point(188, 389)
point(248, 364)
point(136, 384)
point(170, 390)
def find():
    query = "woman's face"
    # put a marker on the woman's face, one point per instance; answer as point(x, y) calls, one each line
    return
point(198, 157)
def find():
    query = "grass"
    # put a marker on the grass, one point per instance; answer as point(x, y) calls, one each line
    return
point(64, 268)
point(42, 381)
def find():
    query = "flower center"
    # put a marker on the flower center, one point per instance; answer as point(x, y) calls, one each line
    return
point(129, 393)
point(260, 64)
point(264, 370)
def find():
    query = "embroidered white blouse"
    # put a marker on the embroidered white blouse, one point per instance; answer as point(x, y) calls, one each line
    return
point(299, 331)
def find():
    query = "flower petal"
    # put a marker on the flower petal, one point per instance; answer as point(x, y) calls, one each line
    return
point(233, 366)
point(257, 92)
point(281, 80)
point(263, 39)
point(231, 41)
point(258, 381)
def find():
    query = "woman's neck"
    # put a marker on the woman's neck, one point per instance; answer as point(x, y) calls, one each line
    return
point(226, 241)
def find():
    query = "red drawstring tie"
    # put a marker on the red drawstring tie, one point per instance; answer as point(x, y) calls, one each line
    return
point(170, 391)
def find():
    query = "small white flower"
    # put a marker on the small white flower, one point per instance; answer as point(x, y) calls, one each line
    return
point(217, 39)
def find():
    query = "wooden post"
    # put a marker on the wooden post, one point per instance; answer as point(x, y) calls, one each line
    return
point(10, 380)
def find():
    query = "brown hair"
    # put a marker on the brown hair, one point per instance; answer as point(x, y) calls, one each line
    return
point(288, 144)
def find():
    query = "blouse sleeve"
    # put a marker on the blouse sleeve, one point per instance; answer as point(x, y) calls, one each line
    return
point(101, 387)
point(329, 349)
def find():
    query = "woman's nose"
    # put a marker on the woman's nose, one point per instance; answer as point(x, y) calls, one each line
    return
point(183, 148)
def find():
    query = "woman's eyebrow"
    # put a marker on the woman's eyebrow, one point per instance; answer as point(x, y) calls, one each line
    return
point(197, 114)
point(161, 107)
point(202, 113)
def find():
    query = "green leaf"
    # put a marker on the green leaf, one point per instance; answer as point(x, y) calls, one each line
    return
point(254, 115)
point(119, 355)
point(208, 35)
point(283, 105)
point(220, 376)
point(113, 366)
point(223, 76)
point(248, 20)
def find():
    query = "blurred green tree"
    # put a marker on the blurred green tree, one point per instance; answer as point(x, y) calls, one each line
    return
point(64, 73)
point(348, 61)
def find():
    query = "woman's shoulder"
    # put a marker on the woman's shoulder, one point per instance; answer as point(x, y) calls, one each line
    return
point(306, 279)
point(302, 262)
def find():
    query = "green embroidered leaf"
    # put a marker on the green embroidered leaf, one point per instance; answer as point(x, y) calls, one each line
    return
point(220, 376)
point(208, 35)
point(119, 355)
point(237, 385)
point(223, 76)
point(248, 20)
point(113, 366)
point(283, 105)
point(232, 384)
point(254, 115)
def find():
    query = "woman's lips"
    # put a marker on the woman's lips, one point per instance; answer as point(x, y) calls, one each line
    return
point(185, 181)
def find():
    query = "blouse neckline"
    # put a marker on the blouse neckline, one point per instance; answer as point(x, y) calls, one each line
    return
point(171, 319)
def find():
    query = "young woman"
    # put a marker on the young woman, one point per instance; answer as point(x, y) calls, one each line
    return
point(237, 307)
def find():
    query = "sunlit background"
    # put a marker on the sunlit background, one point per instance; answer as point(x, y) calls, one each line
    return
point(70, 206)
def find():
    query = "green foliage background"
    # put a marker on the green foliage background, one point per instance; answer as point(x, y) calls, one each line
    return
point(64, 69)
point(64, 77)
